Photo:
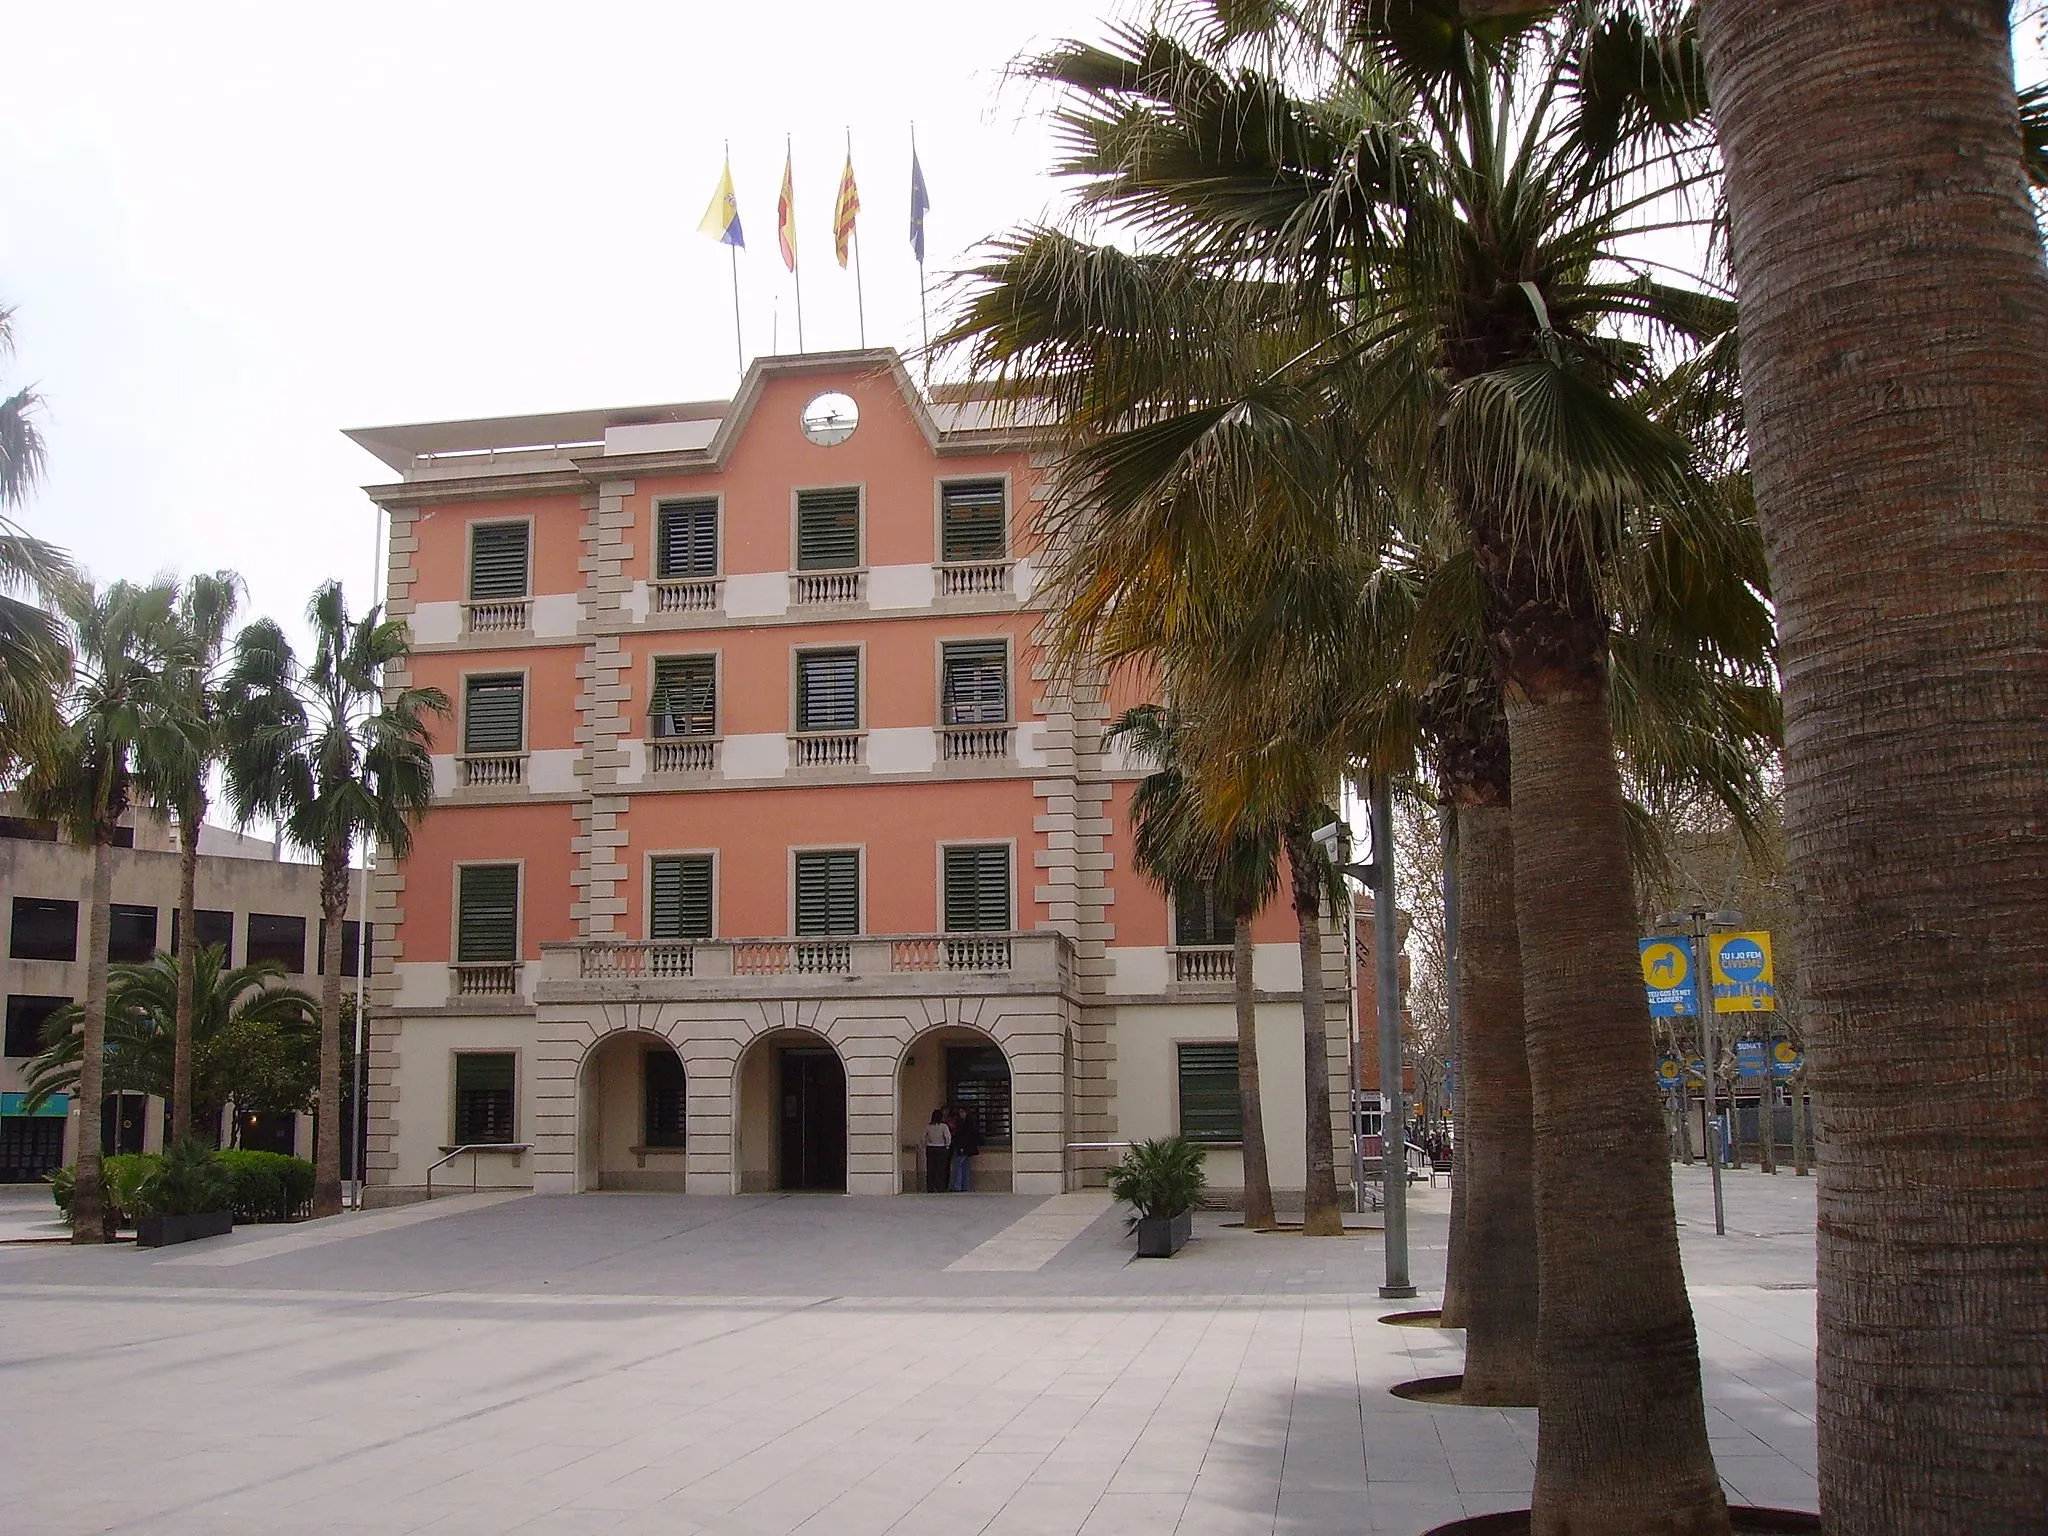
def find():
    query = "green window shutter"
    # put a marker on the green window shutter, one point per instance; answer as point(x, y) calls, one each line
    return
point(665, 1123)
point(484, 1088)
point(685, 699)
point(1210, 1109)
point(975, 683)
point(497, 561)
point(828, 691)
point(978, 890)
point(494, 715)
point(1198, 918)
point(679, 902)
point(828, 529)
point(972, 519)
point(487, 915)
point(827, 893)
point(686, 538)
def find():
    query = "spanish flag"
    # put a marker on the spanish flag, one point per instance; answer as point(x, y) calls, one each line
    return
point(722, 218)
point(785, 215)
point(845, 211)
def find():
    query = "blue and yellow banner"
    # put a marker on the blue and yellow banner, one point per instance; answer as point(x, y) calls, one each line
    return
point(1669, 978)
point(1740, 968)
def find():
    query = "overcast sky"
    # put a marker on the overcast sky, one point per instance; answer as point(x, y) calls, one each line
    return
point(230, 231)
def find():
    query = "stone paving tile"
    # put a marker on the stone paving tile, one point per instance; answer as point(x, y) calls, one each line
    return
point(643, 1364)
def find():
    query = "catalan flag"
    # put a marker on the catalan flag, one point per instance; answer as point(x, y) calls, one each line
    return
point(785, 214)
point(722, 218)
point(845, 211)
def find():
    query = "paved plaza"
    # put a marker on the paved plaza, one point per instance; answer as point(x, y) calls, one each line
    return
point(768, 1364)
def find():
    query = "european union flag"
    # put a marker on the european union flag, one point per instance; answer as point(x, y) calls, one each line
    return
point(920, 204)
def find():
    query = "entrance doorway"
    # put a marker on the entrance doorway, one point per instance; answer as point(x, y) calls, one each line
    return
point(965, 1070)
point(812, 1152)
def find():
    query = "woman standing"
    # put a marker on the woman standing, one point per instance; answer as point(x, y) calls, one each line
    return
point(966, 1146)
point(938, 1153)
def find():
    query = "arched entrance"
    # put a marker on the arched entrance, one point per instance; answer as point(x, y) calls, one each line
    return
point(632, 1131)
point(792, 1114)
point(962, 1067)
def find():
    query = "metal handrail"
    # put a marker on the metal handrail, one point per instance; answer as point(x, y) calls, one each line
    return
point(475, 1146)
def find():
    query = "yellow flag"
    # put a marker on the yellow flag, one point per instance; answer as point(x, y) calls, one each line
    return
point(722, 218)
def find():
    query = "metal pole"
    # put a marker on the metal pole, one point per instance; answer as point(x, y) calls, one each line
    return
point(1448, 821)
point(1354, 1046)
point(1387, 981)
point(356, 1140)
point(1711, 1046)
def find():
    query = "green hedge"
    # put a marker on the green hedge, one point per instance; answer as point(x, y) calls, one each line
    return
point(268, 1186)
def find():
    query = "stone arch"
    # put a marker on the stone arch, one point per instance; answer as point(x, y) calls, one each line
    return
point(791, 1127)
point(632, 1121)
point(927, 1079)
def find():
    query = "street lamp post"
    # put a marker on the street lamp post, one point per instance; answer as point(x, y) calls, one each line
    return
point(1699, 922)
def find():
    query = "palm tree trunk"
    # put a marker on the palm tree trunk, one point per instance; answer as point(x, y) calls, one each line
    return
point(188, 959)
point(1321, 1215)
point(1622, 1439)
point(1893, 309)
point(327, 1127)
point(88, 1195)
point(1499, 1290)
point(1258, 1181)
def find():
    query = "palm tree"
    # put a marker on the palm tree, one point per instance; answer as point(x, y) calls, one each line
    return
point(335, 760)
point(178, 781)
point(1175, 848)
point(245, 1037)
point(1457, 202)
point(35, 665)
point(83, 778)
point(1893, 304)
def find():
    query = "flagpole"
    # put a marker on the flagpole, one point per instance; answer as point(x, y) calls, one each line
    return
point(860, 297)
point(923, 315)
point(739, 346)
point(796, 265)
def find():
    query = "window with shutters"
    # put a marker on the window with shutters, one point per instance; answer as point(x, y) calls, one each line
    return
point(978, 1080)
point(1210, 1110)
point(679, 897)
point(828, 893)
point(684, 699)
point(487, 915)
point(978, 890)
point(494, 715)
point(973, 521)
point(274, 936)
point(663, 1120)
point(828, 691)
point(26, 1017)
point(485, 1082)
point(974, 682)
point(214, 928)
point(828, 529)
point(131, 934)
point(44, 929)
point(686, 538)
point(1199, 919)
point(497, 561)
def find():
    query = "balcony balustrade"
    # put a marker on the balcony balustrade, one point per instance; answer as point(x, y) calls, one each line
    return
point(682, 755)
point(827, 749)
point(979, 578)
point(811, 588)
point(502, 616)
point(1204, 966)
point(890, 964)
point(685, 594)
point(492, 770)
point(974, 743)
point(493, 980)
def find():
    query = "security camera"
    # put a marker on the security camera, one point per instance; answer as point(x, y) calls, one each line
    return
point(1331, 836)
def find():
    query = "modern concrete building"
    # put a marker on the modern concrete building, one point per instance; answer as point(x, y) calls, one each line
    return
point(765, 826)
point(251, 900)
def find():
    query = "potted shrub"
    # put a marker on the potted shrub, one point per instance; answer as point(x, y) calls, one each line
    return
point(1162, 1181)
point(189, 1196)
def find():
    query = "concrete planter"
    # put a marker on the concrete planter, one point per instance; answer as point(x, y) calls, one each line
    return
point(162, 1231)
point(1161, 1237)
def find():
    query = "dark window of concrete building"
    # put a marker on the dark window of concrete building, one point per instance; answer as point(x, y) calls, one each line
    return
point(26, 1017)
point(978, 1080)
point(131, 934)
point(215, 928)
point(664, 1120)
point(30, 1146)
point(44, 929)
point(276, 937)
point(27, 829)
point(1210, 1110)
point(483, 1097)
point(351, 939)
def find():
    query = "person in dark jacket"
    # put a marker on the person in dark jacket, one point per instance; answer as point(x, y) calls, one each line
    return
point(966, 1147)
